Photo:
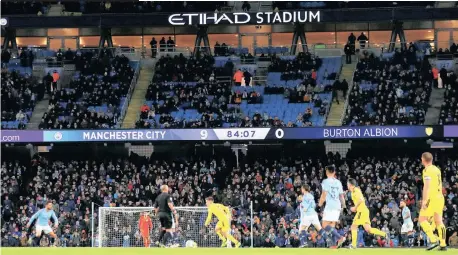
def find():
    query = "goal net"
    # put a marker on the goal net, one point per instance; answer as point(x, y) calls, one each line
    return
point(119, 227)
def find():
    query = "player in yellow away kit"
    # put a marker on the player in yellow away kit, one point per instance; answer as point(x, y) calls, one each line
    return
point(432, 203)
point(362, 214)
point(223, 226)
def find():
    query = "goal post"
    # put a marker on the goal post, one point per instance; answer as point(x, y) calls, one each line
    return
point(119, 227)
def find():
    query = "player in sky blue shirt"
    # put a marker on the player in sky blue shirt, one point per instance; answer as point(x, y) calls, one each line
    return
point(406, 215)
point(332, 188)
point(308, 213)
point(42, 218)
point(407, 237)
point(332, 194)
point(308, 203)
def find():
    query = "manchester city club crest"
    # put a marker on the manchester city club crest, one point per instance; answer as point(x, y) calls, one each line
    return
point(429, 131)
point(58, 136)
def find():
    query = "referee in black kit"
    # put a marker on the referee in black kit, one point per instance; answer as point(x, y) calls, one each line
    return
point(164, 208)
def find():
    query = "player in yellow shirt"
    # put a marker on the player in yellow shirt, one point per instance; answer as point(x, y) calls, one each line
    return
point(362, 214)
point(432, 203)
point(222, 227)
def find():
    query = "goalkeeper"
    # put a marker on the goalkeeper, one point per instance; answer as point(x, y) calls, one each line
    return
point(222, 227)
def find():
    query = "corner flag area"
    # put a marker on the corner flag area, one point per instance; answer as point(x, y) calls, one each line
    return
point(212, 251)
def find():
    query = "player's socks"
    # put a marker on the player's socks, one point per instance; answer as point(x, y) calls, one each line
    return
point(233, 240)
point(321, 232)
point(354, 237)
point(428, 231)
point(221, 237)
point(166, 238)
point(404, 239)
point(333, 231)
point(378, 232)
point(442, 232)
point(161, 235)
point(37, 241)
point(51, 241)
point(335, 234)
point(411, 239)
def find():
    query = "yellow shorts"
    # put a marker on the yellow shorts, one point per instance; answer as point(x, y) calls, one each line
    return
point(362, 217)
point(223, 225)
point(433, 206)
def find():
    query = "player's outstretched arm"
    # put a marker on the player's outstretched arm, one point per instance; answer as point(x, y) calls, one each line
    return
point(34, 217)
point(322, 198)
point(342, 201)
point(209, 217)
point(54, 217)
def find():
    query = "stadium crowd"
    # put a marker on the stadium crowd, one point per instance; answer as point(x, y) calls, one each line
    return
point(449, 108)
point(181, 84)
point(272, 185)
point(94, 98)
point(19, 95)
point(390, 91)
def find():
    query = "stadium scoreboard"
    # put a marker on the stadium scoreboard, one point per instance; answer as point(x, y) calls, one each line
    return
point(228, 134)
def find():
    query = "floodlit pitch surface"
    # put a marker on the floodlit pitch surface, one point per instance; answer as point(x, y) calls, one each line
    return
point(213, 251)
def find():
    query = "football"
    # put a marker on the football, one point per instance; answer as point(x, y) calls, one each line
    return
point(191, 244)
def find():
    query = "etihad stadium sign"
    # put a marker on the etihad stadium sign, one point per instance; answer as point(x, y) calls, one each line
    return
point(182, 19)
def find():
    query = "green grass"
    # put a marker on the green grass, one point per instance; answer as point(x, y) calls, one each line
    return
point(212, 251)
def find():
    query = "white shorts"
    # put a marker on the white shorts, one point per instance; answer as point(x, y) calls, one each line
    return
point(45, 229)
point(331, 215)
point(407, 227)
point(308, 220)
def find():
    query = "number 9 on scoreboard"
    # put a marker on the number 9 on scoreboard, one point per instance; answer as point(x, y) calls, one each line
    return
point(203, 134)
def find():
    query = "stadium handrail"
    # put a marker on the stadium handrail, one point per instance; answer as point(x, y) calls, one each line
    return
point(126, 103)
point(350, 89)
point(141, 52)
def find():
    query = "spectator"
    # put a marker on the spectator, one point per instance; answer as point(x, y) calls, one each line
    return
point(170, 44)
point(344, 86)
point(362, 38)
point(453, 240)
point(246, 6)
point(55, 80)
point(238, 77)
point(352, 42)
point(348, 53)
point(162, 44)
point(153, 44)
point(247, 78)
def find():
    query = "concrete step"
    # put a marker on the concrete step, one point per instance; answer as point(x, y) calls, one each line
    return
point(40, 108)
point(138, 95)
point(435, 101)
point(336, 111)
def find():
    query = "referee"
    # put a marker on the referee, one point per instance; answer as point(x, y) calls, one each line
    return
point(164, 208)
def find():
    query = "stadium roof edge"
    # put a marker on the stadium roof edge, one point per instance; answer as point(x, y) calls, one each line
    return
point(162, 19)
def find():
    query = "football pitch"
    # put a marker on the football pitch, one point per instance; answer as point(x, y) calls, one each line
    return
point(213, 251)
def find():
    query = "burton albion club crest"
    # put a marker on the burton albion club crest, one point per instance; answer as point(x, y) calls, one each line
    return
point(429, 131)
